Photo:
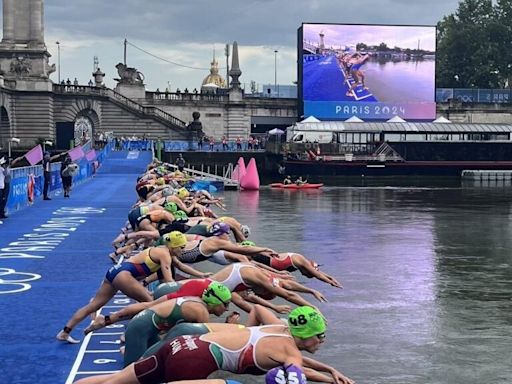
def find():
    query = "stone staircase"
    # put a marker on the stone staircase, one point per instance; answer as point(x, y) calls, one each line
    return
point(153, 121)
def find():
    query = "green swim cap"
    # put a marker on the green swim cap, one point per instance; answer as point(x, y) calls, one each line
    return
point(305, 322)
point(248, 243)
point(170, 207)
point(216, 294)
point(180, 215)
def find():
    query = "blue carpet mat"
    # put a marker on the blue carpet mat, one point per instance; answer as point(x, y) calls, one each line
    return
point(53, 256)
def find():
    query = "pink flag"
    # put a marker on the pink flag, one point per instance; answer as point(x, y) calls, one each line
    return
point(76, 153)
point(91, 155)
point(35, 155)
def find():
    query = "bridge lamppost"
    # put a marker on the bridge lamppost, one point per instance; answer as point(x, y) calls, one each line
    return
point(12, 140)
point(58, 60)
point(45, 143)
point(275, 72)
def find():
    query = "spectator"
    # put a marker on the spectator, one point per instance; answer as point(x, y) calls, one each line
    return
point(212, 143)
point(238, 143)
point(47, 175)
point(250, 142)
point(68, 82)
point(180, 162)
point(224, 143)
point(47, 169)
point(3, 201)
point(5, 169)
point(67, 170)
point(90, 83)
point(256, 144)
point(200, 143)
point(75, 82)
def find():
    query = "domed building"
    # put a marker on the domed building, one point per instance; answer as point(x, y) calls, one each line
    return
point(213, 80)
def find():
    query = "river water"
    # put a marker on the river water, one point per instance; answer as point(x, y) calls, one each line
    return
point(426, 271)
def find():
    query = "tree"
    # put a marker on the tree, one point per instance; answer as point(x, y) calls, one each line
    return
point(474, 45)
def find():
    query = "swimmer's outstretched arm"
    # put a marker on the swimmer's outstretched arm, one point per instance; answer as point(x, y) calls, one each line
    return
point(188, 269)
point(318, 366)
point(265, 303)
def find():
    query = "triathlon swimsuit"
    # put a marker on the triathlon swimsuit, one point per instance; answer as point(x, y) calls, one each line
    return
point(176, 225)
point(180, 330)
point(142, 331)
point(138, 271)
point(135, 214)
point(284, 264)
point(193, 255)
point(191, 357)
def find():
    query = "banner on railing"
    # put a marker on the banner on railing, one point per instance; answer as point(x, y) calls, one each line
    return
point(91, 155)
point(21, 189)
point(76, 153)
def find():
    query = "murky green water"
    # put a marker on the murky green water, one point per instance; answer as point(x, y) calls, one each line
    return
point(427, 275)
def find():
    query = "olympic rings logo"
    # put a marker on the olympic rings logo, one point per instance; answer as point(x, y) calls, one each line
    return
point(12, 281)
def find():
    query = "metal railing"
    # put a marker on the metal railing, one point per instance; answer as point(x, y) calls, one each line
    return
point(474, 95)
point(116, 96)
point(215, 172)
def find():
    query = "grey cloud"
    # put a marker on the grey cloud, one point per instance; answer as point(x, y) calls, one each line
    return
point(263, 22)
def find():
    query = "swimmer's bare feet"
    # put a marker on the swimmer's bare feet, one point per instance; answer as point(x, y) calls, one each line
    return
point(99, 322)
point(66, 337)
point(349, 94)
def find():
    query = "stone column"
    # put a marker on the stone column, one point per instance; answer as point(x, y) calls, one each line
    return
point(8, 29)
point(36, 21)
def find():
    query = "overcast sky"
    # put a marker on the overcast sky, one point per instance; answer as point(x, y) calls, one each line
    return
point(186, 32)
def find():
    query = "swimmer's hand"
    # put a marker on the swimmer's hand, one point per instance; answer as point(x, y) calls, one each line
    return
point(233, 318)
point(284, 309)
point(340, 378)
point(319, 296)
point(206, 274)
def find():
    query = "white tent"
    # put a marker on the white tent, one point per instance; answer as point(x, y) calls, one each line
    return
point(396, 119)
point(276, 131)
point(354, 119)
point(310, 119)
point(441, 119)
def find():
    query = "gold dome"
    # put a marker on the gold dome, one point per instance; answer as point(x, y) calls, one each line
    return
point(214, 77)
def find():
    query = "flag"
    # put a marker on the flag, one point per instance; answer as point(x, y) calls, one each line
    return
point(35, 155)
point(76, 153)
point(91, 155)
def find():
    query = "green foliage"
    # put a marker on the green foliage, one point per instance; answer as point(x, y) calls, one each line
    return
point(474, 45)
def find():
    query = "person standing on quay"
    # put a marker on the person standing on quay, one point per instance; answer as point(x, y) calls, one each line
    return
point(5, 170)
point(2, 188)
point(47, 169)
point(180, 162)
point(66, 173)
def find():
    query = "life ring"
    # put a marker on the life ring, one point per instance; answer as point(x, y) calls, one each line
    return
point(30, 188)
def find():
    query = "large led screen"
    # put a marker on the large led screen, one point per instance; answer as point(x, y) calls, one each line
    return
point(374, 72)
